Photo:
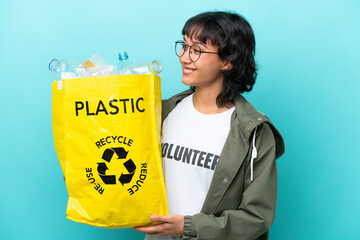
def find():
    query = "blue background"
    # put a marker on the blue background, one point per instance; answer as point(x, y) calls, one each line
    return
point(308, 55)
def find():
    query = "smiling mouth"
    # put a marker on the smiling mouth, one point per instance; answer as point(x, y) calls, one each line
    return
point(188, 70)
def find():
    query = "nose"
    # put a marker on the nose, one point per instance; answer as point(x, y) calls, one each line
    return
point(185, 58)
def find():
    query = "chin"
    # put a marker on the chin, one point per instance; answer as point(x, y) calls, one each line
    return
point(186, 81)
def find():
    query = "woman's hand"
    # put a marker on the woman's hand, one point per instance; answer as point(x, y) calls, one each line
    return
point(171, 225)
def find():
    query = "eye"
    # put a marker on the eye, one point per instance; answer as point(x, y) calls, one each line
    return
point(184, 46)
point(196, 49)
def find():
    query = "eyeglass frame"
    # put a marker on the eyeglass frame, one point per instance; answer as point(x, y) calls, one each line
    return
point(189, 48)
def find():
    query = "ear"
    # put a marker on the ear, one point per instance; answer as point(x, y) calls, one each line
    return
point(227, 65)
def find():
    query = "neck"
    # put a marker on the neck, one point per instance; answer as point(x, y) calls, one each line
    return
point(205, 101)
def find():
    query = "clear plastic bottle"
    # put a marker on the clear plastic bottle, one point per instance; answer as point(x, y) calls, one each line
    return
point(154, 67)
point(126, 67)
point(124, 63)
point(67, 68)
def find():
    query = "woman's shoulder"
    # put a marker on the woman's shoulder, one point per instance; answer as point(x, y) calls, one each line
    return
point(169, 104)
point(248, 119)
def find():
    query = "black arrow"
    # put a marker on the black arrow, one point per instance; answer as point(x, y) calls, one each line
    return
point(130, 167)
point(120, 152)
point(108, 153)
point(102, 168)
point(125, 178)
point(108, 179)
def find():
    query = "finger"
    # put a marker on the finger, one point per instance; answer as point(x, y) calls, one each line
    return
point(148, 230)
point(160, 218)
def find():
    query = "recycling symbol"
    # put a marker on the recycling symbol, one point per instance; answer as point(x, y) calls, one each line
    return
point(108, 156)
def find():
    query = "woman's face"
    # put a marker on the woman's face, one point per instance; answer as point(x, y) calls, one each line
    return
point(206, 71)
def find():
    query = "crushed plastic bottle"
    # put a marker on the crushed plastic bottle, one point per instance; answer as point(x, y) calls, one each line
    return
point(66, 68)
point(96, 66)
point(154, 67)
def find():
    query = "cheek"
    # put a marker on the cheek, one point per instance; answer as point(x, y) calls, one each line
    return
point(212, 69)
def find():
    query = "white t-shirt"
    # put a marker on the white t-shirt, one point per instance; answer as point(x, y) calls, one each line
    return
point(191, 146)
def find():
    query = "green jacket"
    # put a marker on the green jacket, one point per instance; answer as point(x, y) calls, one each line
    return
point(237, 206)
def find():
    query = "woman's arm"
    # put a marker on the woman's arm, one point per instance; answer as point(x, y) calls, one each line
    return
point(256, 212)
point(253, 217)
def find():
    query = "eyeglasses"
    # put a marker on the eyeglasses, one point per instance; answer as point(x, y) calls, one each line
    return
point(194, 50)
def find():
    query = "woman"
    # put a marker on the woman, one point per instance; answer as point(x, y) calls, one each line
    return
point(219, 153)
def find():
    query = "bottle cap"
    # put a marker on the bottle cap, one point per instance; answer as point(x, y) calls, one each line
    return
point(54, 65)
point(123, 56)
point(156, 67)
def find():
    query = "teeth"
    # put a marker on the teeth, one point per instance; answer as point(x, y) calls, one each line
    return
point(188, 70)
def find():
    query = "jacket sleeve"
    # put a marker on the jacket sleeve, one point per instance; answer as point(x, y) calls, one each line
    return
point(256, 212)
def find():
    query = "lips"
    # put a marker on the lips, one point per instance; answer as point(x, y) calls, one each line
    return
point(188, 71)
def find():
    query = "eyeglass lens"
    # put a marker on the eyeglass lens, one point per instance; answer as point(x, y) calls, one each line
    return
point(194, 50)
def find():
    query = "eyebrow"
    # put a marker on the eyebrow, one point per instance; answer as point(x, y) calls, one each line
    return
point(196, 42)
